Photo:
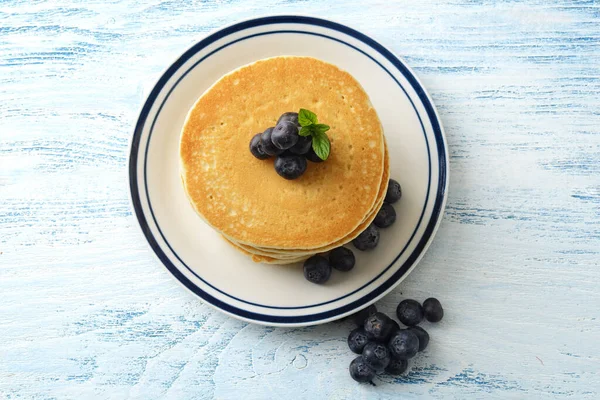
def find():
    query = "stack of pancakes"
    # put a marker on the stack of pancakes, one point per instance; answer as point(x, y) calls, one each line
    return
point(271, 219)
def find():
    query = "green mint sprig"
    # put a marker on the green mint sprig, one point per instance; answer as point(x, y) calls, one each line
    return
point(311, 127)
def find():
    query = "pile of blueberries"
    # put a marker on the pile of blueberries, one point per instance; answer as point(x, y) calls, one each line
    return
point(283, 142)
point(385, 347)
point(317, 269)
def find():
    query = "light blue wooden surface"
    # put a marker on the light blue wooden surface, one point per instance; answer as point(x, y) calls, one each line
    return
point(87, 312)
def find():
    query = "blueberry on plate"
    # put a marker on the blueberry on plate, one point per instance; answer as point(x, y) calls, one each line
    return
point(317, 269)
point(342, 259)
point(285, 135)
point(422, 335)
point(360, 371)
point(376, 356)
point(409, 312)
point(360, 317)
point(403, 344)
point(312, 156)
point(290, 166)
point(267, 145)
point(433, 310)
point(357, 340)
point(303, 145)
point(289, 117)
point(394, 192)
point(378, 327)
point(396, 367)
point(256, 148)
point(368, 239)
point(386, 216)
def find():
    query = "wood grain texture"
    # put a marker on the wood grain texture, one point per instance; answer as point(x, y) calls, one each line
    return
point(87, 312)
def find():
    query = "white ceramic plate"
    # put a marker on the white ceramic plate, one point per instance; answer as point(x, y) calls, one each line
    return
point(278, 295)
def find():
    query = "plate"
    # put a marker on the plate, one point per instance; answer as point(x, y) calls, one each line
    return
point(279, 295)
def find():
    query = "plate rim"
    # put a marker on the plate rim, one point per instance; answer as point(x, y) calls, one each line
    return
point(439, 192)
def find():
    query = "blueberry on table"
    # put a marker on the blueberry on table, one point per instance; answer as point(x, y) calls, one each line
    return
point(357, 340)
point(422, 335)
point(394, 192)
point(395, 327)
point(409, 312)
point(317, 269)
point(290, 166)
point(433, 310)
point(368, 239)
point(396, 367)
point(267, 145)
point(289, 117)
point(386, 216)
point(303, 145)
point(378, 327)
point(360, 317)
point(403, 344)
point(360, 371)
point(256, 148)
point(312, 156)
point(285, 135)
point(342, 259)
point(376, 356)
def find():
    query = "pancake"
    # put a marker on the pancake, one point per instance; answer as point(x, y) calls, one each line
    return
point(258, 253)
point(261, 256)
point(243, 197)
point(266, 259)
point(294, 255)
point(290, 259)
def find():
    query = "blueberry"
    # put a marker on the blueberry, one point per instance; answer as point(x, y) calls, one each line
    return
point(302, 146)
point(256, 148)
point(317, 269)
point(403, 345)
point(368, 239)
point(394, 192)
point(267, 145)
point(312, 156)
point(342, 259)
point(395, 327)
point(285, 135)
point(410, 312)
point(376, 356)
point(422, 335)
point(378, 327)
point(396, 367)
point(290, 166)
point(357, 340)
point(433, 310)
point(386, 216)
point(360, 371)
point(360, 317)
point(289, 116)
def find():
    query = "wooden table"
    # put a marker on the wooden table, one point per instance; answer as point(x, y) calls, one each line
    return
point(87, 312)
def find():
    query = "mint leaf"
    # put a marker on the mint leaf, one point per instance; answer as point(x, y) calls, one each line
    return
point(311, 127)
point(321, 127)
point(321, 145)
point(306, 117)
point(306, 130)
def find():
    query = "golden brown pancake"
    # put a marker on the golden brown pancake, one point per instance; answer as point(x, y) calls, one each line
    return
point(260, 256)
point(268, 255)
point(291, 258)
point(266, 259)
point(243, 197)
